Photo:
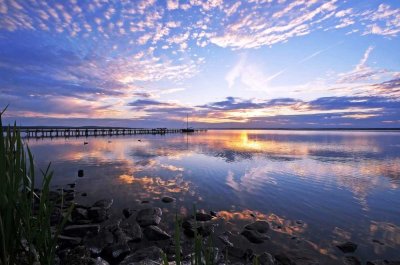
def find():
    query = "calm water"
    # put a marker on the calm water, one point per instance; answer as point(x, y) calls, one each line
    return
point(341, 185)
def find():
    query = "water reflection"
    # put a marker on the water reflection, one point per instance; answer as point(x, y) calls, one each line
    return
point(342, 185)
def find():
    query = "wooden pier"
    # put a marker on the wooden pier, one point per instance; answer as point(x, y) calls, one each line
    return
point(42, 132)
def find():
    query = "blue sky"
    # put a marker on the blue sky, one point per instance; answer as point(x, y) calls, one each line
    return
point(255, 63)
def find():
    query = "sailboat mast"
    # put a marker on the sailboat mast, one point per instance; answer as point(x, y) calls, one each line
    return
point(187, 121)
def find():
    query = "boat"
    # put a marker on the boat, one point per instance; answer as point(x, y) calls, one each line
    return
point(188, 129)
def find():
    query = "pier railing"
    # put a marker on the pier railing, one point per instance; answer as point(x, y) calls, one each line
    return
point(41, 132)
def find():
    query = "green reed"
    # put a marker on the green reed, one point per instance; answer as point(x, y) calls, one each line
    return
point(26, 235)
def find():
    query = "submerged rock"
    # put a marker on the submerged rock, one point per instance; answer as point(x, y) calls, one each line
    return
point(259, 226)
point(283, 259)
point(203, 229)
point(383, 262)
point(203, 217)
point(67, 241)
point(167, 199)
point(152, 253)
point(149, 216)
point(254, 236)
point(154, 233)
point(351, 260)
point(266, 259)
point(348, 247)
point(104, 203)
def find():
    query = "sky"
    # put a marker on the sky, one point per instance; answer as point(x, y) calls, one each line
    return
point(225, 64)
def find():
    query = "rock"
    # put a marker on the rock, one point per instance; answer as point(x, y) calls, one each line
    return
point(145, 201)
point(99, 261)
point(238, 252)
point(69, 241)
point(69, 197)
point(56, 216)
point(167, 199)
point(149, 216)
point(283, 259)
point(81, 230)
point(116, 251)
point(71, 185)
point(97, 214)
point(254, 236)
point(383, 262)
point(127, 212)
point(213, 214)
point(152, 253)
point(351, 260)
point(105, 203)
point(378, 242)
point(97, 243)
point(203, 216)
point(203, 229)
point(225, 239)
point(80, 173)
point(259, 226)
point(79, 214)
point(154, 233)
point(348, 247)
point(266, 259)
point(299, 222)
point(78, 256)
point(132, 230)
point(84, 194)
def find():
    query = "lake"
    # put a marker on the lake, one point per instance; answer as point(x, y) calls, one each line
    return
point(317, 188)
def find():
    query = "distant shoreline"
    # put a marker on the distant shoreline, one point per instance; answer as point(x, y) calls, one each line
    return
point(206, 128)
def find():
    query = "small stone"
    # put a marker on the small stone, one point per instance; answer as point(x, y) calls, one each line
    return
point(145, 201)
point(254, 236)
point(348, 247)
point(151, 253)
point(351, 260)
point(83, 194)
point(213, 213)
point(167, 199)
point(80, 173)
point(105, 203)
point(154, 233)
point(299, 222)
point(259, 226)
